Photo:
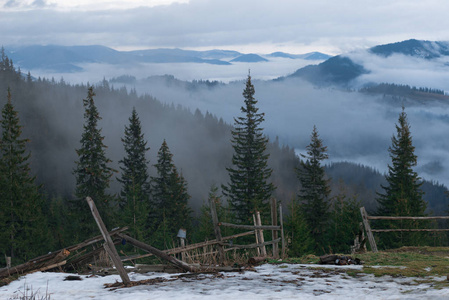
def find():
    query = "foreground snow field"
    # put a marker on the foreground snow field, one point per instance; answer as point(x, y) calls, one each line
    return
point(285, 281)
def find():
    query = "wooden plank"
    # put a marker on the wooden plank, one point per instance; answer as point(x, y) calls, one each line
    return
point(213, 212)
point(182, 265)
point(274, 222)
point(368, 230)
point(35, 264)
point(109, 245)
point(250, 227)
point(255, 245)
point(398, 230)
point(281, 220)
point(263, 249)
point(256, 234)
point(407, 218)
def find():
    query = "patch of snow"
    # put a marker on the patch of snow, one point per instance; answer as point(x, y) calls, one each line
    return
point(284, 281)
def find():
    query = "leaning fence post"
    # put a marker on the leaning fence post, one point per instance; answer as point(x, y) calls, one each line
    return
point(263, 249)
point(109, 245)
point(369, 233)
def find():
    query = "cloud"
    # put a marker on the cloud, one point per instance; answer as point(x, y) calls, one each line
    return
point(292, 24)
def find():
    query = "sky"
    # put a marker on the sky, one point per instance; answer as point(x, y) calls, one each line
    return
point(249, 26)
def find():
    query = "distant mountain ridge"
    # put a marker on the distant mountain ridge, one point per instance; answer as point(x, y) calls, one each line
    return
point(70, 58)
point(342, 69)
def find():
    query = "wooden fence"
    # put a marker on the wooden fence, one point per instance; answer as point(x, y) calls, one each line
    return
point(257, 228)
point(369, 231)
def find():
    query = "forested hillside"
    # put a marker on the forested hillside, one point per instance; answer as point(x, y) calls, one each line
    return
point(51, 115)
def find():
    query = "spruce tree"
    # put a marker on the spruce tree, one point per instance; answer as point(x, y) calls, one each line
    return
point(23, 226)
point(249, 190)
point(402, 196)
point(92, 172)
point(314, 192)
point(169, 199)
point(135, 192)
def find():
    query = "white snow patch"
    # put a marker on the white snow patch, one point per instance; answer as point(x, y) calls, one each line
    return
point(285, 281)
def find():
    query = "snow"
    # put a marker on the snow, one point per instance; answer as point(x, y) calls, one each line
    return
point(284, 281)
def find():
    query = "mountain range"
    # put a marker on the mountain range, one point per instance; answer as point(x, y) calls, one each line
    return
point(364, 67)
point(66, 59)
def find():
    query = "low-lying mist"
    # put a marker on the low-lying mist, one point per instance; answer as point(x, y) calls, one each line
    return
point(356, 127)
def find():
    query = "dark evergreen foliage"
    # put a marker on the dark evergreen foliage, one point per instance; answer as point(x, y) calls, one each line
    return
point(23, 230)
point(170, 211)
point(135, 193)
point(249, 189)
point(92, 172)
point(402, 196)
point(314, 192)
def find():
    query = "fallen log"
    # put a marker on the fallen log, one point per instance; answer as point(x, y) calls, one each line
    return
point(252, 261)
point(35, 264)
point(180, 264)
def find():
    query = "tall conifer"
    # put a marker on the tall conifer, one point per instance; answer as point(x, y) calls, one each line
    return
point(92, 171)
point(314, 192)
point(23, 229)
point(170, 200)
point(135, 192)
point(249, 190)
point(402, 196)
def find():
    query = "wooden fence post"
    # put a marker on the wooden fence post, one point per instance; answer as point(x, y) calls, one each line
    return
point(213, 212)
point(274, 222)
point(281, 219)
point(108, 245)
point(261, 238)
point(369, 233)
point(256, 235)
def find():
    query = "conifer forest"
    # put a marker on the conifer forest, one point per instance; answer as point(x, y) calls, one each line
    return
point(154, 167)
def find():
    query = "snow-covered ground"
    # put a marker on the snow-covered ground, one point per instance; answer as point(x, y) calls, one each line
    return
point(285, 281)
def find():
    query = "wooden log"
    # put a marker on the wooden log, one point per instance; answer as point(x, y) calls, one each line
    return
point(256, 260)
point(281, 220)
point(255, 245)
point(263, 249)
point(369, 232)
point(94, 240)
point(256, 234)
point(182, 265)
point(109, 245)
point(59, 264)
point(416, 229)
point(214, 215)
point(191, 247)
point(274, 222)
point(35, 264)
point(250, 227)
point(407, 218)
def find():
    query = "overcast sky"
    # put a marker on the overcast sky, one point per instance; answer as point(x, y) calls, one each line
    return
point(261, 26)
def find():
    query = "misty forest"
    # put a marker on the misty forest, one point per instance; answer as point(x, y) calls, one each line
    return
point(153, 166)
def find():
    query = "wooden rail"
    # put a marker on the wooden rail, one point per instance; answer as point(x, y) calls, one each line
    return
point(369, 231)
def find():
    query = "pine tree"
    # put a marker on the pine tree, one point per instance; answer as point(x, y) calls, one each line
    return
point(205, 229)
point(135, 193)
point(22, 221)
point(170, 200)
point(402, 196)
point(92, 171)
point(314, 192)
point(298, 232)
point(249, 190)
point(345, 220)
